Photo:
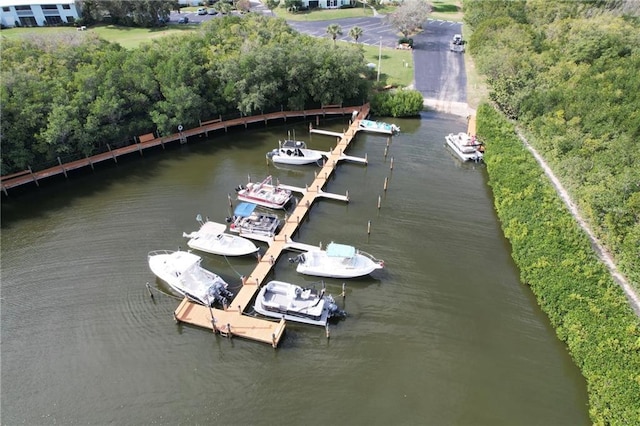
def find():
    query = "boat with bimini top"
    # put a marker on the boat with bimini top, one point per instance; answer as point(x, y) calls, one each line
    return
point(378, 127)
point(466, 147)
point(182, 271)
point(295, 152)
point(279, 299)
point(337, 261)
point(247, 220)
point(264, 193)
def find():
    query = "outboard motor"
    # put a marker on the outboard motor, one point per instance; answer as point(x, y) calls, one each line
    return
point(298, 259)
point(239, 188)
point(334, 310)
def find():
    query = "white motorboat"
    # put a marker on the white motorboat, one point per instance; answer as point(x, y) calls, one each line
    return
point(295, 152)
point(246, 220)
point(378, 127)
point(182, 271)
point(468, 148)
point(211, 238)
point(264, 193)
point(279, 299)
point(337, 261)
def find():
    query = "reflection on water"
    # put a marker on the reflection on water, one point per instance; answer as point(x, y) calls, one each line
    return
point(445, 334)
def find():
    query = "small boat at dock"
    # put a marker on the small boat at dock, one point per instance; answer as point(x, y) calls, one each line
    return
point(212, 238)
point(337, 261)
point(378, 127)
point(182, 271)
point(264, 193)
point(295, 152)
point(247, 220)
point(279, 299)
point(466, 147)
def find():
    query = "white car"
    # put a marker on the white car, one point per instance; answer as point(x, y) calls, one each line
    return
point(201, 11)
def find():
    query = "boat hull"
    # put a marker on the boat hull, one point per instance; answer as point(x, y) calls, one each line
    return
point(264, 194)
point(464, 147)
point(318, 263)
point(181, 270)
point(378, 127)
point(209, 239)
point(280, 156)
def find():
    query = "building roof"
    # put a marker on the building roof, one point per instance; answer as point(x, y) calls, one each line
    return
point(6, 3)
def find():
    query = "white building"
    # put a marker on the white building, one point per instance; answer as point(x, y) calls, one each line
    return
point(325, 4)
point(31, 13)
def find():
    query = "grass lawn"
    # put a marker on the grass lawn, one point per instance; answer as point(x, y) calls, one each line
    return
point(127, 37)
point(447, 10)
point(396, 66)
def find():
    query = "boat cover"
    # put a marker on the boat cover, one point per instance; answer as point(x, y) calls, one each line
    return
point(340, 250)
point(244, 209)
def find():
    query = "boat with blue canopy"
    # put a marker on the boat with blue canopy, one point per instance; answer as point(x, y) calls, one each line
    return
point(247, 219)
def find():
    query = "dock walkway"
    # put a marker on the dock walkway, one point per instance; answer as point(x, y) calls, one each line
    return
point(150, 141)
point(231, 321)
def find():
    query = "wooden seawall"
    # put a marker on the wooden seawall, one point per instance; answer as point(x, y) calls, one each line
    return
point(232, 322)
point(150, 141)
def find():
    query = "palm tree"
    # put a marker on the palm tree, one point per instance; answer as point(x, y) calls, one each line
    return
point(355, 33)
point(334, 30)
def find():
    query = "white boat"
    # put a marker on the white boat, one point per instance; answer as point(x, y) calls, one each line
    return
point(264, 193)
point(246, 220)
point(211, 238)
point(279, 299)
point(295, 153)
point(182, 271)
point(378, 127)
point(468, 148)
point(337, 261)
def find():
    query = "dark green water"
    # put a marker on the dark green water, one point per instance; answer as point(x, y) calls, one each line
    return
point(446, 335)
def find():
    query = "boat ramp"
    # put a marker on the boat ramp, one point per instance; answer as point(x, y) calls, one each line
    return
point(232, 321)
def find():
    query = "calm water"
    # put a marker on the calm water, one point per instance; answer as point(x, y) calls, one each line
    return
point(446, 335)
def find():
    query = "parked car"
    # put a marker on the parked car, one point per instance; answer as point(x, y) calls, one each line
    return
point(202, 11)
point(212, 12)
point(183, 20)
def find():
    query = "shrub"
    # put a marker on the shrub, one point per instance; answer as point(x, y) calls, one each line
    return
point(399, 103)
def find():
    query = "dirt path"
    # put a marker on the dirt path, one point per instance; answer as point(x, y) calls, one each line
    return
point(601, 251)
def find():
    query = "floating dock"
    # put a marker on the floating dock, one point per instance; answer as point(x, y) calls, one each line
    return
point(232, 321)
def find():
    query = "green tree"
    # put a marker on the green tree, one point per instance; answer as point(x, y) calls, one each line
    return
point(355, 33)
point(334, 30)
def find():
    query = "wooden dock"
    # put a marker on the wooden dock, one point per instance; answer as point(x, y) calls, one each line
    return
point(471, 125)
point(232, 322)
point(150, 141)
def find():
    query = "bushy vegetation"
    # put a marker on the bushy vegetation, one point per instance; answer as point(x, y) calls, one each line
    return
point(397, 103)
point(568, 72)
point(555, 258)
point(72, 94)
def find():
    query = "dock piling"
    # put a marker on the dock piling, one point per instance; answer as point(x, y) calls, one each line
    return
point(391, 166)
point(386, 181)
point(369, 228)
point(149, 290)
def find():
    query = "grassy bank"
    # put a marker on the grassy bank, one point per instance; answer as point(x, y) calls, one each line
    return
point(589, 312)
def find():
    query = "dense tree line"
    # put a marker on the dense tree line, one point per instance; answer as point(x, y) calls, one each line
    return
point(140, 13)
point(588, 310)
point(74, 94)
point(568, 73)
